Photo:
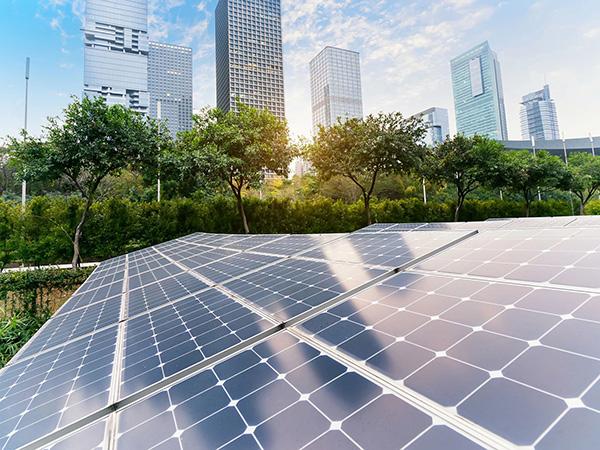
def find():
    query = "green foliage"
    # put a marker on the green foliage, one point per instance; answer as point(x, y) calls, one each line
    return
point(463, 162)
point(525, 173)
point(584, 182)
point(363, 149)
point(15, 331)
point(93, 141)
point(237, 148)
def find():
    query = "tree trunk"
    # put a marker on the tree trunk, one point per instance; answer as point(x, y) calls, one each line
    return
point(459, 204)
point(367, 201)
point(240, 205)
point(581, 208)
point(75, 262)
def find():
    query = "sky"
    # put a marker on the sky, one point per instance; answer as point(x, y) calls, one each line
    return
point(405, 47)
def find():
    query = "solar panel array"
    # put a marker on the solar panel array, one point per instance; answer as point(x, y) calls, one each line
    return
point(416, 336)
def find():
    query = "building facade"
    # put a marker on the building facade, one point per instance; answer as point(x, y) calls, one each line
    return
point(116, 52)
point(436, 120)
point(558, 147)
point(478, 93)
point(249, 55)
point(170, 83)
point(335, 86)
point(538, 116)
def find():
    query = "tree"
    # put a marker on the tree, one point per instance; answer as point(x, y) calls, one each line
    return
point(363, 149)
point(525, 173)
point(237, 148)
point(464, 162)
point(93, 141)
point(584, 182)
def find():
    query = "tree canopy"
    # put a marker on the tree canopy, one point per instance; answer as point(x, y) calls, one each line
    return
point(463, 162)
point(584, 170)
point(238, 148)
point(364, 149)
point(92, 141)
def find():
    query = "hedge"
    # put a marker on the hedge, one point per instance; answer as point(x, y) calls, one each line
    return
point(41, 235)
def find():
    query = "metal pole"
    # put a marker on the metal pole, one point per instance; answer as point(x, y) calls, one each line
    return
point(592, 144)
point(24, 183)
point(567, 164)
point(501, 195)
point(424, 192)
point(159, 117)
point(534, 154)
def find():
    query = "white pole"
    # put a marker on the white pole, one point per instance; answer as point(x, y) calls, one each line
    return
point(567, 163)
point(24, 183)
point(534, 154)
point(424, 192)
point(159, 117)
point(592, 144)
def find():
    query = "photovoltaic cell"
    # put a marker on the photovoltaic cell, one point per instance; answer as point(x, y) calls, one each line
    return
point(294, 286)
point(295, 243)
point(65, 327)
point(88, 438)
point(162, 292)
point(280, 394)
point(383, 249)
point(55, 388)
point(180, 334)
point(233, 266)
point(510, 358)
point(100, 294)
point(253, 241)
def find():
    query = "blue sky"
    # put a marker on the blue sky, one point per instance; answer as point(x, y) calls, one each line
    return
point(405, 50)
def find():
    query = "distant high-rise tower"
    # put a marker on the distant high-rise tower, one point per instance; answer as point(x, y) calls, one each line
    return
point(478, 93)
point(335, 86)
point(538, 116)
point(249, 54)
point(116, 52)
point(436, 121)
point(170, 82)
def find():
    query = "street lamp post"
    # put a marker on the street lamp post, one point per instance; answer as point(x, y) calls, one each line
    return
point(534, 154)
point(424, 192)
point(24, 183)
point(592, 145)
point(564, 141)
point(159, 117)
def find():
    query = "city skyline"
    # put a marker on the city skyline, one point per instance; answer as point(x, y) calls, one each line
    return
point(406, 64)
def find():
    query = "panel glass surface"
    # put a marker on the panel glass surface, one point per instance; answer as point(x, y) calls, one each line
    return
point(233, 266)
point(180, 334)
point(55, 388)
point(559, 256)
point(294, 286)
point(91, 437)
point(280, 394)
point(295, 243)
point(86, 298)
point(383, 249)
point(517, 360)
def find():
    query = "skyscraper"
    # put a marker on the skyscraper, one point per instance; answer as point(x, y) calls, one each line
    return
point(478, 93)
point(170, 82)
point(335, 86)
point(116, 52)
point(436, 120)
point(538, 116)
point(249, 54)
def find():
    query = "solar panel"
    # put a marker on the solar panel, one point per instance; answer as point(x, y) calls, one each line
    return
point(482, 340)
point(383, 249)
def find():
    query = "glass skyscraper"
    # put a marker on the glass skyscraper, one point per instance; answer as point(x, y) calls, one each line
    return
point(478, 93)
point(538, 116)
point(170, 82)
point(335, 86)
point(116, 52)
point(249, 54)
point(436, 121)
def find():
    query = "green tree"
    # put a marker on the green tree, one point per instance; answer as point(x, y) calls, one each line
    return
point(237, 148)
point(525, 173)
point(94, 140)
point(363, 149)
point(584, 169)
point(464, 162)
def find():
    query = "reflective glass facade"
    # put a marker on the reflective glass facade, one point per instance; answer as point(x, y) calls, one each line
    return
point(478, 93)
point(538, 116)
point(170, 83)
point(116, 52)
point(249, 54)
point(335, 86)
point(436, 120)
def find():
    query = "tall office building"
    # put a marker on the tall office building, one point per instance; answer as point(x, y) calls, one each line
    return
point(335, 86)
point(116, 52)
point(249, 54)
point(538, 116)
point(170, 83)
point(478, 93)
point(436, 121)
